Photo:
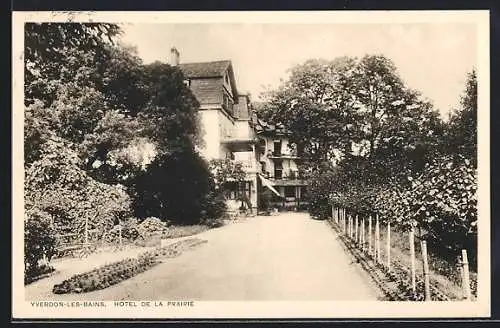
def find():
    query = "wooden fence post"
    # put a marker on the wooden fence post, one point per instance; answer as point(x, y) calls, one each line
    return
point(388, 246)
point(344, 222)
point(352, 227)
point(356, 230)
point(370, 235)
point(412, 259)
point(427, 286)
point(465, 276)
point(377, 239)
point(363, 232)
point(349, 225)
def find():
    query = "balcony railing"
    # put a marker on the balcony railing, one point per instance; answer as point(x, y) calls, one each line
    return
point(291, 175)
point(281, 154)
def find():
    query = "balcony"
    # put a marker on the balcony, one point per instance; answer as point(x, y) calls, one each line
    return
point(282, 155)
point(290, 178)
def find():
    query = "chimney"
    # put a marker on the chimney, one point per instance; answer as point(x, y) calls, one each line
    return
point(174, 57)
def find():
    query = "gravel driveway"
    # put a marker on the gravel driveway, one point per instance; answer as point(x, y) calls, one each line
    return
point(284, 257)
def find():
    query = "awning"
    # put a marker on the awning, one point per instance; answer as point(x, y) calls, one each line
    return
point(269, 185)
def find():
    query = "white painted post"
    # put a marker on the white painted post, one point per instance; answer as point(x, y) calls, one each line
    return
point(388, 246)
point(370, 235)
point(377, 239)
point(363, 234)
point(356, 230)
point(427, 285)
point(352, 226)
point(466, 276)
point(412, 259)
point(344, 222)
point(349, 225)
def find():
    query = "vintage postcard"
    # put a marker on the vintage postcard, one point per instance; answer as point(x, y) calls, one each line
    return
point(322, 164)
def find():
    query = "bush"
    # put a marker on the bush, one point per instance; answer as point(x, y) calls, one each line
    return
point(214, 208)
point(176, 186)
point(151, 226)
point(39, 241)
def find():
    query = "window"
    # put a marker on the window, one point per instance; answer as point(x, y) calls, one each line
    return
point(289, 192)
point(278, 170)
point(227, 103)
point(187, 83)
point(277, 148)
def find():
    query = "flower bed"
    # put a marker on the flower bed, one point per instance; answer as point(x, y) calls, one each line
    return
point(107, 275)
point(111, 274)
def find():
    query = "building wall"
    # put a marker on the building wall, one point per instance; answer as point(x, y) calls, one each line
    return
point(242, 130)
point(211, 137)
point(207, 90)
point(289, 164)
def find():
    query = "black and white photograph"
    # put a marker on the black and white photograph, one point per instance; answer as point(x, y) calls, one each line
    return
point(251, 164)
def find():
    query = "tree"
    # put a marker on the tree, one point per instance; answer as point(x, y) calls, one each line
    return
point(358, 113)
point(56, 51)
point(226, 170)
point(174, 187)
point(462, 126)
point(56, 185)
point(170, 114)
point(314, 104)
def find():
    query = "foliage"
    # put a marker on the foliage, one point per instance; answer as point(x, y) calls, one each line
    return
point(442, 200)
point(151, 226)
point(374, 145)
point(105, 276)
point(96, 118)
point(39, 242)
point(462, 127)
point(170, 114)
point(226, 170)
point(56, 185)
point(129, 231)
point(175, 186)
point(351, 108)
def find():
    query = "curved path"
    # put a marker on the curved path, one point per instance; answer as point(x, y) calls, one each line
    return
point(284, 257)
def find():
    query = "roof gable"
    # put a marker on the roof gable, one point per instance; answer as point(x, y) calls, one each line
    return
point(212, 69)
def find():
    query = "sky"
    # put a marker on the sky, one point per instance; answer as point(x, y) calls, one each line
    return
point(433, 58)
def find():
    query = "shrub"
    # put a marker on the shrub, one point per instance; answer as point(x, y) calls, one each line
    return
point(174, 186)
point(39, 241)
point(151, 226)
point(214, 208)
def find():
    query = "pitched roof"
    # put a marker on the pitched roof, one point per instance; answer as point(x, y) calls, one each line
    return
point(206, 69)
